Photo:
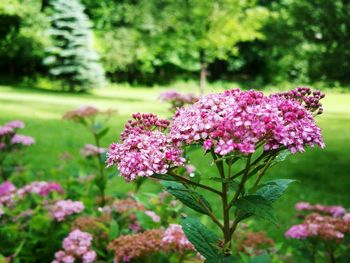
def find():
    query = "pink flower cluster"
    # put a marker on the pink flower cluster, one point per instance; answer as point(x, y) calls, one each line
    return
point(144, 149)
point(41, 188)
point(77, 246)
point(323, 227)
point(334, 210)
point(64, 208)
point(22, 139)
point(238, 120)
point(153, 216)
point(7, 193)
point(175, 238)
point(311, 100)
point(90, 150)
point(9, 137)
point(177, 99)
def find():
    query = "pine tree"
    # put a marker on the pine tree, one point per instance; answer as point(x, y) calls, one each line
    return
point(71, 57)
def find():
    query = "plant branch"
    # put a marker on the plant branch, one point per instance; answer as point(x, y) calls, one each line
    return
point(183, 179)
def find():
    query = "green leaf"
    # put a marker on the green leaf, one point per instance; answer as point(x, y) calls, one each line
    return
point(255, 205)
point(221, 259)
point(113, 230)
point(205, 241)
point(282, 156)
point(102, 132)
point(188, 197)
point(272, 190)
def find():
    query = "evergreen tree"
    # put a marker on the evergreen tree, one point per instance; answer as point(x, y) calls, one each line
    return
point(71, 57)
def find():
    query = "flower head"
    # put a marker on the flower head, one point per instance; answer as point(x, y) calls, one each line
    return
point(175, 238)
point(64, 208)
point(90, 150)
point(7, 193)
point(41, 188)
point(238, 120)
point(16, 124)
point(77, 245)
point(144, 149)
point(22, 140)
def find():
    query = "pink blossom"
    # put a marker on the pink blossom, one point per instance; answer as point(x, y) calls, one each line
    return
point(335, 210)
point(7, 193)
point(77, 245)
point(153, 215)
point(144, 149)
point(346, 217)
point(302, 206)
point(40, 188)
point(63, 208)
point(238, 120)
point(16, 124)
point(297, 232)
point(22, 139)
point(5, 130)
point(91, 150)
point(176, 239)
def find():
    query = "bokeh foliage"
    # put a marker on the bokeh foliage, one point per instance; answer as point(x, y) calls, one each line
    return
point(159, 41)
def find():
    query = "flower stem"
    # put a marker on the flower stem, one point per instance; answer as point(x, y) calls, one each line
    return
point(183, 179)
point(102, 184)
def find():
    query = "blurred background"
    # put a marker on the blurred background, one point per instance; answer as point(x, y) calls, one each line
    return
point(60, 54)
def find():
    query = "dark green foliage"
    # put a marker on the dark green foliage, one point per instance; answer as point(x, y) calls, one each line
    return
point(188, 197)
point(205, 241)
point(71, 57)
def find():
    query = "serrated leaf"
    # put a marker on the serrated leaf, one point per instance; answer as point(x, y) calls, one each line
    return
point(188, 197)
point(255, 205)
point(272, 190)
point(205, 241)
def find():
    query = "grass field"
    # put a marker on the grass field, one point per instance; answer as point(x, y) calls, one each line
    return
point(323, 175)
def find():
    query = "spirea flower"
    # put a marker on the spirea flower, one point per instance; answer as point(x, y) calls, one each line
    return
point(85, 112)
point(76, 246)
point(90, 150)
point(41, 188)
point(254, 243)
point(318, 226)
point(177, 99)
point(16, 124)
point(175, 239)
point(128, 247)
point(22, 139)
point(334, 210)
point(5, 130)
point(7, 193)
point(238, 120)
point(153, 216)
point(64, 208)
point(144, 149)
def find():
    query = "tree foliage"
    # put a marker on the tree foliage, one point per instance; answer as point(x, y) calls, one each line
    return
point(71, 56)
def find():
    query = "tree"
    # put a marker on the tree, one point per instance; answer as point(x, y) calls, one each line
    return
point(210, 30)
point(71, 57)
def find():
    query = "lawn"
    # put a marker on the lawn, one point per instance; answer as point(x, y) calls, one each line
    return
point(322, 175)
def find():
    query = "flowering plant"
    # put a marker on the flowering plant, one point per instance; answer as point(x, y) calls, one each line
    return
point(324, 232)
point(88, 117)
point(242, 129)
point(10, 142)
point(176, 99)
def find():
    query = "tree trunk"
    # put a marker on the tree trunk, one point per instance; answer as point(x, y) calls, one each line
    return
point(203, 77)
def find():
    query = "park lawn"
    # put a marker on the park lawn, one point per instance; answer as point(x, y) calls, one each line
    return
point(322, 175)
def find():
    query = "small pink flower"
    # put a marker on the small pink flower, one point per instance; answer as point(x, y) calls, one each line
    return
point(22, 139)
point(153, 215)
point(63, 208)
point(16, 124)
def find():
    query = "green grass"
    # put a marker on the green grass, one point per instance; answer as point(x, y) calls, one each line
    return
point(323, 175)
